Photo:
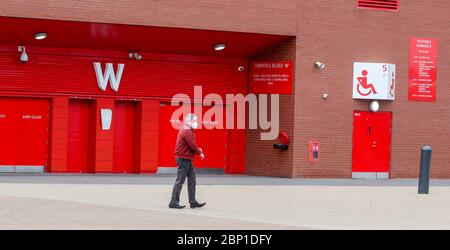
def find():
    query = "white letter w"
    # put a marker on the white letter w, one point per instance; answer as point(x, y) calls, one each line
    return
point(114, 79)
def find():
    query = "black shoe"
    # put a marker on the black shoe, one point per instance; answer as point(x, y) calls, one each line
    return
point(176, 206)
point(196, 204)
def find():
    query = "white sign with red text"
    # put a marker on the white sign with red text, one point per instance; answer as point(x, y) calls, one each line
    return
point(374, 81)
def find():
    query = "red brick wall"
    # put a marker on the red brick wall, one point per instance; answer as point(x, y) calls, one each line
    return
point(262, 159)
point(338, 33)
point(232, 15)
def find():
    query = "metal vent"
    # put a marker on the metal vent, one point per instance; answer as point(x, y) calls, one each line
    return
point(379, 4)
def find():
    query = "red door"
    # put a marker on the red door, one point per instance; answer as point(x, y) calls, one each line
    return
point(32, 133)
point(78, 137)
point(125, 137)
point(24, 134)
point(371, 144)
point(7, 134)
point(212, 141)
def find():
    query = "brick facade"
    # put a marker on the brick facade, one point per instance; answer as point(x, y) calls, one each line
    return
point(334, 32)
point(262, 159)
point(342, 35)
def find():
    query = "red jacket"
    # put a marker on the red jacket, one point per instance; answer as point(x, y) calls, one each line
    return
point(185, 146)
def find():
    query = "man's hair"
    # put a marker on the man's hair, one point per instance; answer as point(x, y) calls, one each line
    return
point(190, 117)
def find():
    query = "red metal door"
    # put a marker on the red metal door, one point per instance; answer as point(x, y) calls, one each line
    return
point(7, 133)
point(212, 141)
point(125, 137)
point(32, 132)
point(78, 137)
point(24, 133)
point(371, 142)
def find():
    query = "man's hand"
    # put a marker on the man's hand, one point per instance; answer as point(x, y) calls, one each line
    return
point(202, 156)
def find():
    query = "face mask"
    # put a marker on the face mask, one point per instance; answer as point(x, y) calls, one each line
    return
point(194, 125)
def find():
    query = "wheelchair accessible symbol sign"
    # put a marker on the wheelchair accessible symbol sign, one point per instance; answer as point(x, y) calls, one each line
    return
point(375, 81)
point(367, 88)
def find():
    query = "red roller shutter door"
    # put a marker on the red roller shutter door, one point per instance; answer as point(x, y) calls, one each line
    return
point(79, 128)
point(125, 137)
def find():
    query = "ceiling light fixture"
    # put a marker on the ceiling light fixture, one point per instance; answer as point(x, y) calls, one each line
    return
point(40, 36)
point(219, 47)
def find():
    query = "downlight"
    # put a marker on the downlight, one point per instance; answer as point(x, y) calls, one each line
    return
point(40, 36)
point(219, 47)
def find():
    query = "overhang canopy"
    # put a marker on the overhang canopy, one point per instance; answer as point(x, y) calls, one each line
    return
point(119, 37)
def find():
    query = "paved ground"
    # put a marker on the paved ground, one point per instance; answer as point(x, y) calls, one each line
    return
point(234, 202)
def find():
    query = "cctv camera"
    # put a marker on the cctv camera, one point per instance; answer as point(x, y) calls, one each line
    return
point(319, 65)
point(241, 68)
point(23, 56)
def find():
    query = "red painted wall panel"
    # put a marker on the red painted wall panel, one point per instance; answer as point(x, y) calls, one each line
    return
point(58, 135)
point(70, 74)
point(104, 139)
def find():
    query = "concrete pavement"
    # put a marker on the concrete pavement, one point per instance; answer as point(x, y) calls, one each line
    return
point(234, 202)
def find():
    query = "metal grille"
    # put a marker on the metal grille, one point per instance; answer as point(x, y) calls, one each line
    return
point(379, 4)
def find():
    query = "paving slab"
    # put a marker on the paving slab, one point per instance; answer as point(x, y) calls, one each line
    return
point(239, 202)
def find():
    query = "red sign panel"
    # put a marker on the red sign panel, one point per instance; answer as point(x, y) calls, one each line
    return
point(271, 77)
point(422, 69)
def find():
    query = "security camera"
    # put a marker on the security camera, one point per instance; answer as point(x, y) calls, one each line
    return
point(134, 55)
point(319, 65)
point(137, 56)
point(241, 68)
point(23, 56)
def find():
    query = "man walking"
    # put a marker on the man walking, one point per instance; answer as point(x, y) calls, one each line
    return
point(185, 151)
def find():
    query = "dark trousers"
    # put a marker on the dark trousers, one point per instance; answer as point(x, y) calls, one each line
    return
point(185, 168)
